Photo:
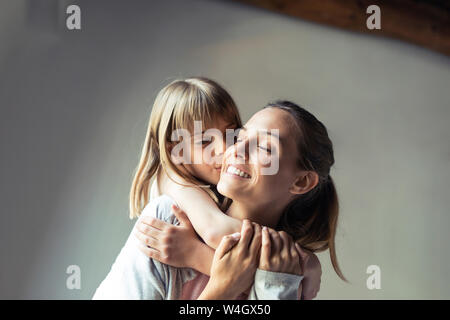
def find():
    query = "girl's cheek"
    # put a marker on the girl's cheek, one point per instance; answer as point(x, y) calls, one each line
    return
point(207, 159)
point(197, 155)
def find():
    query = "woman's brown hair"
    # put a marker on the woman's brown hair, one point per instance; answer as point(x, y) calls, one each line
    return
point(311, 219)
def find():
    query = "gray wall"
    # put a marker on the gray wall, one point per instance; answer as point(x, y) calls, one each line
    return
point(75, 105)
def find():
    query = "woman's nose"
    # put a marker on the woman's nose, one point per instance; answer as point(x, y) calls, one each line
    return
point(241, 150)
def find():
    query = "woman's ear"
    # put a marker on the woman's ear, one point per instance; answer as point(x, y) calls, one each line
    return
point(304, 182)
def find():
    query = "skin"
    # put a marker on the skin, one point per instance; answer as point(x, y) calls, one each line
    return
point(211, 150)
point(210, 146)
point(237, 251)
point(261, 198)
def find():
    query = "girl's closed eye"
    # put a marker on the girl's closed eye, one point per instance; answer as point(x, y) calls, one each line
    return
point(203, 142)
point(265, 148)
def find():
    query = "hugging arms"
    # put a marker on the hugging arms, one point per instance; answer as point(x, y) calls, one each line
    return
point(297, 198)
point(135, 276)
point(232, 266)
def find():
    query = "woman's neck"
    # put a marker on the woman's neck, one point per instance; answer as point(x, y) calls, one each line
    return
point(263, 214)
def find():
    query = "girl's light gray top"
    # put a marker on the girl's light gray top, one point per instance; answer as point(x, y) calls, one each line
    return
point(136, 276)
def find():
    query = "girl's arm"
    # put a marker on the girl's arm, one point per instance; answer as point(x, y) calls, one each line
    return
point(208, 220)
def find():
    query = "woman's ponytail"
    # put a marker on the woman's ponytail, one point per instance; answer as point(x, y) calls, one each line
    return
point(331, 208)
point(311, 219)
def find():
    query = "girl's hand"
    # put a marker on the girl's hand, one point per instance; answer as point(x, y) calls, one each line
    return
point(170, 244)
point(234, 264)
point(279, 253)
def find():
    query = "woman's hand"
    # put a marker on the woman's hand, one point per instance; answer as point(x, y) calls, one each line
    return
point(279, 253)
point(313, 274)
point(234, 264)
point(173, 245)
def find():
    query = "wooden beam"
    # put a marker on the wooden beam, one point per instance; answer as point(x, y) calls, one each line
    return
point(423, 22)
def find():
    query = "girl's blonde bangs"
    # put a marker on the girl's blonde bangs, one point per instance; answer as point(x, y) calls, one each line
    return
point(177, 106)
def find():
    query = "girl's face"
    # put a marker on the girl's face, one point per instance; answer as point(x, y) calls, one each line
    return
point(250, 155)
point(207, 150)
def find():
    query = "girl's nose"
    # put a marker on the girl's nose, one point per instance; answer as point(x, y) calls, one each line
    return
point(218, 158)
point(218, 151)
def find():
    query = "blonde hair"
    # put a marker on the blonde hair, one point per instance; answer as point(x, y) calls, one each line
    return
point(177, 106)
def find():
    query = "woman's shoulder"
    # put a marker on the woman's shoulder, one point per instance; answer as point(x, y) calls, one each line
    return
point(160, 208)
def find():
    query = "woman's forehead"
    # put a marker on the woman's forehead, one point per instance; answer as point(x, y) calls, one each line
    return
point(270, 119)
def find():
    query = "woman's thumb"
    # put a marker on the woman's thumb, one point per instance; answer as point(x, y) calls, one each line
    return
point(227, 243)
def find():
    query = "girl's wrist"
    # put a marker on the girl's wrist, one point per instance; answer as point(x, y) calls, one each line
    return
point(202, 259)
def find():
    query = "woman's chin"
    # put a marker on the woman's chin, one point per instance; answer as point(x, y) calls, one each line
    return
point(227, 189)
point(233, 186)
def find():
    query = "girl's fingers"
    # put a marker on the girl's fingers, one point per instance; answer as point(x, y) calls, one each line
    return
point(155, 223)
point(276, 241)
point(181, 215)
point(266, 246)
point(246, 234)
point(226, 244)
point(148, 230)
point(151, 253)
point(302, 253)
point(285, 239)
point(293, 251)
point(147, 241)
point(255, 245)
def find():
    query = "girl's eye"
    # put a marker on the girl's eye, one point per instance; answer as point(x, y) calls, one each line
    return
point(203, 142)
point(266, 149)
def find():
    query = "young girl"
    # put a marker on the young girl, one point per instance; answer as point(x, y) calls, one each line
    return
point(177, 106)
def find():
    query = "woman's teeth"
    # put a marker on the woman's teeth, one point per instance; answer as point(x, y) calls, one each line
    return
point(237, 172)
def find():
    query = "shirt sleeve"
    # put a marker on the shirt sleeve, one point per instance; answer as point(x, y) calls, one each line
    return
point(134, 276)
point(269, 285)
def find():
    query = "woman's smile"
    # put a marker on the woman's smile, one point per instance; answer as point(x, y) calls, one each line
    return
point(234, 171)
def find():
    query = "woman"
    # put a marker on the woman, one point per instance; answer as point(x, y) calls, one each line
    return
point(299, 199)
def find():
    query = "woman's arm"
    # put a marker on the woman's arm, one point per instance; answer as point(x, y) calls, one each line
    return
point(313, 274)
point(286, 271)
point(208, 220)
point(280, 270)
